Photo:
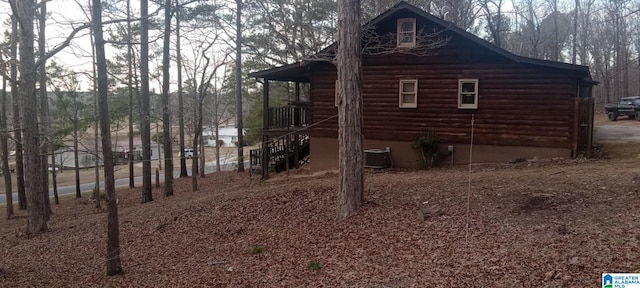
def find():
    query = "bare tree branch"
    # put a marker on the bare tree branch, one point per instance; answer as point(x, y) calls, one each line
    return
point(373, 43)
point(77, 29)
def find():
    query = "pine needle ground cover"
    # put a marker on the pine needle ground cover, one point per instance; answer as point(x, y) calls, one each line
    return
point(549, 223)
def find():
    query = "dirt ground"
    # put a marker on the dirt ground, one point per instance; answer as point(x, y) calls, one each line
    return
point(623, 130)
point(600, 119)
point(532, 224)
point(548, 223)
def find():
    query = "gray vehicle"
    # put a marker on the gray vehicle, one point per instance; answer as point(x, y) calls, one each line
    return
point(627, 106)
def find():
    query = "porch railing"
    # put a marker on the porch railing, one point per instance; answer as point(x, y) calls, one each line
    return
point(287, 117)
point(279, 150)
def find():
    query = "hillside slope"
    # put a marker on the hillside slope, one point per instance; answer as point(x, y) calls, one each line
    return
point(535, 224)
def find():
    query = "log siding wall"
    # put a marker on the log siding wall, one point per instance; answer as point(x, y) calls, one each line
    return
point(518, 105)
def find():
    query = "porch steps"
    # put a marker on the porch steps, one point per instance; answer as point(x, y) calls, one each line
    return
point(279, 152)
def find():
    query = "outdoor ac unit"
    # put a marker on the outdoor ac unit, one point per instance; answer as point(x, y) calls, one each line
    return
point(377, 158)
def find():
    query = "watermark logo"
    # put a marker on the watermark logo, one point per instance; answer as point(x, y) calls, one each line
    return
point(607, 281)
point(621, 280)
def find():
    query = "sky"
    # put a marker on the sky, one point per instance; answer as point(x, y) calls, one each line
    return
point(63, 15)
point(64, 12)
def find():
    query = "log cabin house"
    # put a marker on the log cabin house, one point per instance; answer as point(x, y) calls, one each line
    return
point(423, 74)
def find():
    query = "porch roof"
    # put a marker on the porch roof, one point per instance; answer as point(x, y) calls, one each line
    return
point(296, 72)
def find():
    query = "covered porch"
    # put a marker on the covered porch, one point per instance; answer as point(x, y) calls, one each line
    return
point(285, 139)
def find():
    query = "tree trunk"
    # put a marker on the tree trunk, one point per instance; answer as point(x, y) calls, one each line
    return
point(44, 111)
point(76, 161)
point(183, 161)
point(196, 139)
point(144, 102)
point(132, 182)
point(202, 157)
point(556, 38)
point(351, 179)
point(4, 142)
point(17, 116)
point(217, 138)
point(166, 125)
point(54, 178)
point(96, 187)
point(617, 69)
point(114, 265)
point(239, 123)
point(37, 219)
point(586, 23)
point(625, 62)
point(638, 67)
point(194, 165)
point(574, 41)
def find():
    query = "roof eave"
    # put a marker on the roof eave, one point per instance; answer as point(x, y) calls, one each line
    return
point(274, 73)
point(296, 72)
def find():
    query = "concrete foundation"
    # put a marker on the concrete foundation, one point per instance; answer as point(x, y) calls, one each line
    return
point(324, 153)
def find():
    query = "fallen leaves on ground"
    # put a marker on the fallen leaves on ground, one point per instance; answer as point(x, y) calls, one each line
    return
point(545, 224)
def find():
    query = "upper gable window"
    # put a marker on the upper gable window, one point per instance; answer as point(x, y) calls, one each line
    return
point(406, 32)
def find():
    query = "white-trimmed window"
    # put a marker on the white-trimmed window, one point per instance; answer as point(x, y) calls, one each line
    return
point(406, 32)
point(336, 99)
point(468, 94)
point(408, 94)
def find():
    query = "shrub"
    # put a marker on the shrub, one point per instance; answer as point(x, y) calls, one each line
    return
point(314, 265)
point(257, 250)
point(427, 146)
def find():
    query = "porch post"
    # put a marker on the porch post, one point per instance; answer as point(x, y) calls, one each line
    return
point(298, 122)
point(265, 127)
point(265, 105)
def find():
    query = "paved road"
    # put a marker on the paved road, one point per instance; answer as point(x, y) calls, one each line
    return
point(210, 167)
point(612, 133)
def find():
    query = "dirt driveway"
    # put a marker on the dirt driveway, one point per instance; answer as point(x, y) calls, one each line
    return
point(623, 130)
